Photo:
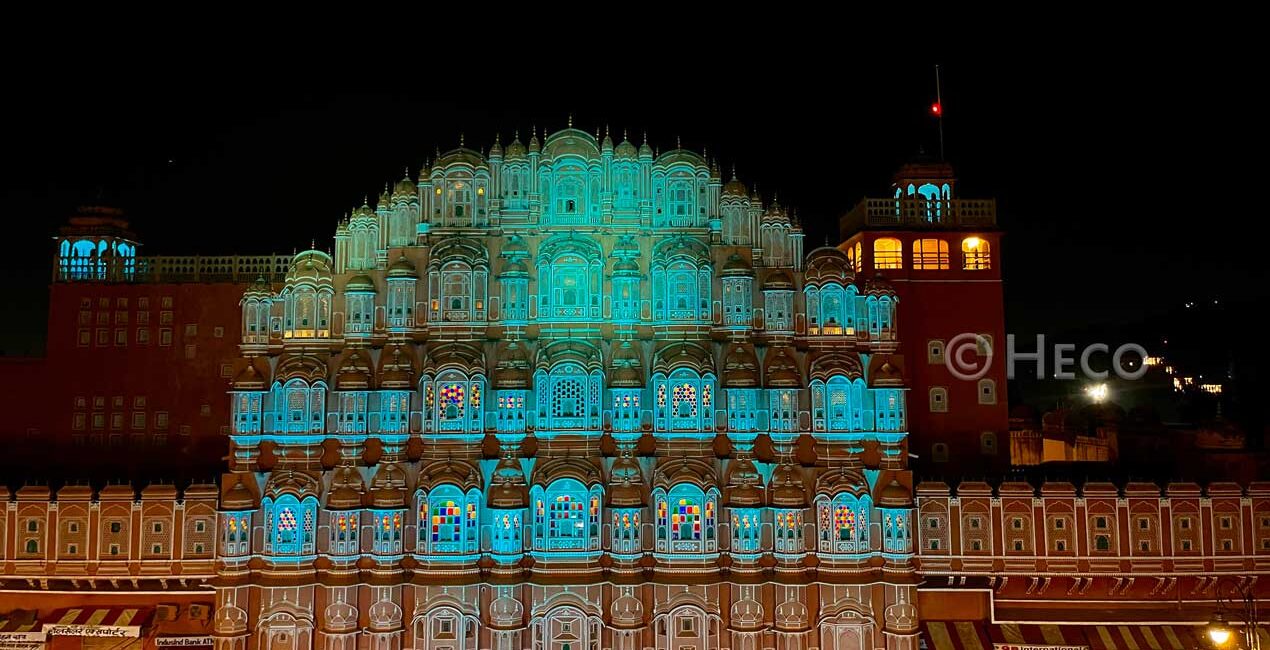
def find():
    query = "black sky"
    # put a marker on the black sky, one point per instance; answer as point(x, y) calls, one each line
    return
point(1126, 185)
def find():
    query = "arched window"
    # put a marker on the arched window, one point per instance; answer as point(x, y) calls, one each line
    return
point(344, 531)
point(737, 296)
point(686, 519)
point(855, 257)
point(679, 204)
point(626, 530)
point(290, 524)
point(895, 531)
point(459, 200)
point(452, 403)
point(624, 185)
point(888, 253)
point(308, 313)
point(237, 533)
point(446, 627)
point(987, 391)
point(569, 279)
point(839, 405)
point(746, 530)
point(566, 516)
point(449, 521)
point(569, 397)
point(939, 399)
point(684, 401)
point(569, 197)
point(507, 528)
point(976, 254)
point(844, 523)
point(388, 525)
point(298, 407)
point(788, 529)
point(930, 255)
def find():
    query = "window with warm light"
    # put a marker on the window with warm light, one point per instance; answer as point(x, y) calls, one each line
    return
point(888, 253)
point(976, 254)
point(930, 255)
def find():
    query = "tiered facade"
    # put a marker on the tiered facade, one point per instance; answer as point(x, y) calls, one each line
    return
point(569, 395)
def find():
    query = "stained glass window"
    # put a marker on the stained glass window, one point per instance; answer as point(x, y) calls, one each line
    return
point(685, 520)
point(286, 525)
point(451, 401)
point(844, 522)
point(684, 398)
point(567, 517)
point(447, 521)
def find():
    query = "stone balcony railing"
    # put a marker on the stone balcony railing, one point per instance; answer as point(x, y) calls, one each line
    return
point(175, 269)
point(919, 213)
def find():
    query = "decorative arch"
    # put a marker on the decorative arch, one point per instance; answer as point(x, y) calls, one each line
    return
point(446, 626)
point(570, 278)
point(290, 524)
point(566, 515)
point(843, 521)
point(458, 281)
point(297, 406)
point(682, 280)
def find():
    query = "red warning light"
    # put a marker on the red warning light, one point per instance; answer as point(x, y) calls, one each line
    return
point(936, 109)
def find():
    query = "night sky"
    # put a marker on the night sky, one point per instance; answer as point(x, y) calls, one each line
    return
point(1125, 187)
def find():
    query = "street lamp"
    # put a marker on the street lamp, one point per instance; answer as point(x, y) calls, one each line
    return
point(1241, 603)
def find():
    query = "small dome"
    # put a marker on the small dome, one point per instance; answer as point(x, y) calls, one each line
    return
point(626, 483)
point(515, 267)
point(461, 156)
point(515, 150)
point(736, 265)
point(786, 487)
point(237, 497)
point(740, 368)
point(397, 371)
point(626, 371)
point(496, 150)
point(249, 378)
point(626, 266)
point(781, 370)
point(360, 283)
point(571, 142)
point(515, 245)
point(745, 484)
point(402, 268)
point(508, 489)
point(681, 156)
point(258, 289)
point(894, 496)
point(512, 370)
point(778, 280)
point(645, 151)
point(347, 488)
point(625, 151)
point(311, 266)
point(405, 187)
point(735, 187)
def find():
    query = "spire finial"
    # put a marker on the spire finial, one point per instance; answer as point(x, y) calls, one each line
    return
point(460, 138)
point(571, 120)
point(515, 134)
point(733, 171)
point(407, 177)
point(678, 144)
point(624, 132)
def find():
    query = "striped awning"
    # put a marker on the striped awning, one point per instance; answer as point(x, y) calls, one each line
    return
point(955, 635)
point(98, 621)
point(1144, 637)
point(1024, 635)
point(977, 635)
point(19, 621)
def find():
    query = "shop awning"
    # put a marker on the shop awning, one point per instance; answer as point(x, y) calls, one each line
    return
point(1143, 637)
point(978, 635)
point(955, 635)
point(1019, 636)
point(98, 621)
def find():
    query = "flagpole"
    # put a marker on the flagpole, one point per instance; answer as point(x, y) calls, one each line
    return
point(939, 101)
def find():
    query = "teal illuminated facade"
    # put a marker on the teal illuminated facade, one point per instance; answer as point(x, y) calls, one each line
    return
point(568, 395)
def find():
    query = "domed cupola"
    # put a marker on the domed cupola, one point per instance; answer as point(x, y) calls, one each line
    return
point(347, 488)
point(360, 284)
point(354, 374)
point(781, 370)
point(508, 488)
point(745, 484)
point(515, 150)
point(736, 266)
point(398, 371)
point(627, 372)
point(735, 187)
point(786, 487)
point(626, 482)
point(388, 488)
point(894, 495)
point(402, 268)
point(740, 367)
point(496, 150)
point(512, 370)
point(625, 150)
point(778, 280)
point(405, 189)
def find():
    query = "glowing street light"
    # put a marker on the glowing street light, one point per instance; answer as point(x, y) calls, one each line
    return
point(1240, 601)
point(1097, 392)
point(1218, 631)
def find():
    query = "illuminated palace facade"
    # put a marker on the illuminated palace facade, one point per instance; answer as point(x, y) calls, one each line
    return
point(521, 407)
